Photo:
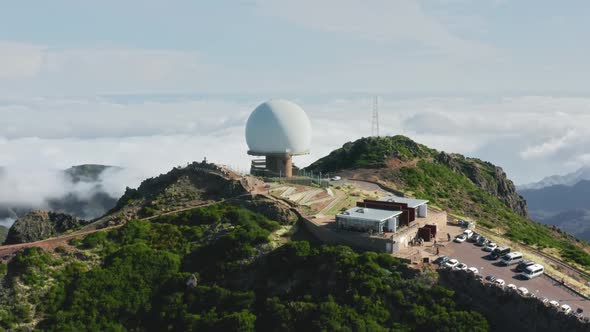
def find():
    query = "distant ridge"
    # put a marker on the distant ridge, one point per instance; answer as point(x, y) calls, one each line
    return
point(569, 179)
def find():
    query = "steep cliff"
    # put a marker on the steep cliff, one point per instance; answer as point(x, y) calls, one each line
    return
point(492, 179)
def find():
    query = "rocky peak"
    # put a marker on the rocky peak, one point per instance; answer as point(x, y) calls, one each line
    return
point(490, 178)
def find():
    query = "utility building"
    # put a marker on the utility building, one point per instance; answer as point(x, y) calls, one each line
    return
point(420, 206)
point(366, 219)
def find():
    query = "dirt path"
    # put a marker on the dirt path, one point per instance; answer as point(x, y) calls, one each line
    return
point(7, 251)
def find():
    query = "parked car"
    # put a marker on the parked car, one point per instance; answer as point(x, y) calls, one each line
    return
point(451, 263)
point(473, 270)
point(533, 271)
point(482, 242)
point(511, 287)
point(544, 300)
point(499, 252)
point(554, 303)
point(460, 266)
point(441, 260)
point(460, 238)
point(491, 278)
point(336, 178)
point(523, 291)
point(512, 258)
point(474, 238)
point(490, 247)
point(523, 265)
point(468, 233)
point(499, 282)
point(566, 309)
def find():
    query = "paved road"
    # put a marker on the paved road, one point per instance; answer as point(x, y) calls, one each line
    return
point(472, 255)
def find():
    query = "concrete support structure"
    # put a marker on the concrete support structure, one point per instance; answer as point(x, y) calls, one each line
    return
point(282, 165)
point(274, 165)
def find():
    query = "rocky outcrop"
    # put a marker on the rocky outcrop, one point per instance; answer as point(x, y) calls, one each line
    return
point(271, 210)
point(506, 310)
point(490, 178)
point(38, 225)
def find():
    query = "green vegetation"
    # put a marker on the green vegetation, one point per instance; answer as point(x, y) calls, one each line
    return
point(371, 152)
point(452, 190)
point(211, 269)
point(466, 186)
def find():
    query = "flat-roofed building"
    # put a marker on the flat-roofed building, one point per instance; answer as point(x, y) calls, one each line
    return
point(366, 219)
point(419, 205)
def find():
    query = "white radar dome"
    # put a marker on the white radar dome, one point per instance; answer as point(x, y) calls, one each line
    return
point(278, 127)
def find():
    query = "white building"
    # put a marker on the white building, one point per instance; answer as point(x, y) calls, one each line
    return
point(365, 219)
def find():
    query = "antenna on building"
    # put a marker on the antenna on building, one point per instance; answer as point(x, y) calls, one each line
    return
point(375, 125)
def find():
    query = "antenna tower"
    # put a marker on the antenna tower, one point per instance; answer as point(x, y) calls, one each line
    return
point(375, 125)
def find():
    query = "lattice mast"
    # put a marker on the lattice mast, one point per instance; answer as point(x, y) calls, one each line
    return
point(375, 123)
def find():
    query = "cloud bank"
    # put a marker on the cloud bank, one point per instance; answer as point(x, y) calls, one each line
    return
point(148, 135)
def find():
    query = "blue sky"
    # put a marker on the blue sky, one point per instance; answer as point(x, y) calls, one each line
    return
point(413, 47)
point(152, 84)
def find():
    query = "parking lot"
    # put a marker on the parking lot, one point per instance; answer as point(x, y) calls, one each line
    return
point(542, 286)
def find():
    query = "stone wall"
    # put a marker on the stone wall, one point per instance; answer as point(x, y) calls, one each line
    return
point(506, 310)
point(357, 241)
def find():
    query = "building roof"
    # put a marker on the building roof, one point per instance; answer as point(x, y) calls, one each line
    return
point(412, 202)
point(369, 214)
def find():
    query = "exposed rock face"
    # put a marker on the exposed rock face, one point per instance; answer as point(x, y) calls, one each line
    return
point(271, 210)
point(38, 225)
point(507, 310)
point(492, 179)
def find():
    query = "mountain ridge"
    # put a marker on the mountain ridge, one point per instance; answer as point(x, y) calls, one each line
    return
point(569, 179)
point(564, 206)
point(399, 152)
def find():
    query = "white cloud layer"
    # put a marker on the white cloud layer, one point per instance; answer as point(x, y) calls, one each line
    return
point(19, 60)
point(148, 137)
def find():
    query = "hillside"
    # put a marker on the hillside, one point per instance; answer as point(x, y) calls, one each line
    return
point(559, 198)
point(218, 268)
point(182, 187)
point(565, 206)
point(556, 180)
point(465, 186)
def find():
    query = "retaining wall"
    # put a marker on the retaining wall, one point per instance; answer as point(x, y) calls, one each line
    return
point(505, 309)
point(329, 236)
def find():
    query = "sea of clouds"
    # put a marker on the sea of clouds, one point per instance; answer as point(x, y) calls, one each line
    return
point(530, 136)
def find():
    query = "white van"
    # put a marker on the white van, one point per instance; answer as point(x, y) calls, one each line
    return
point(512, 258)
point(468, 233)
point(533, 271)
